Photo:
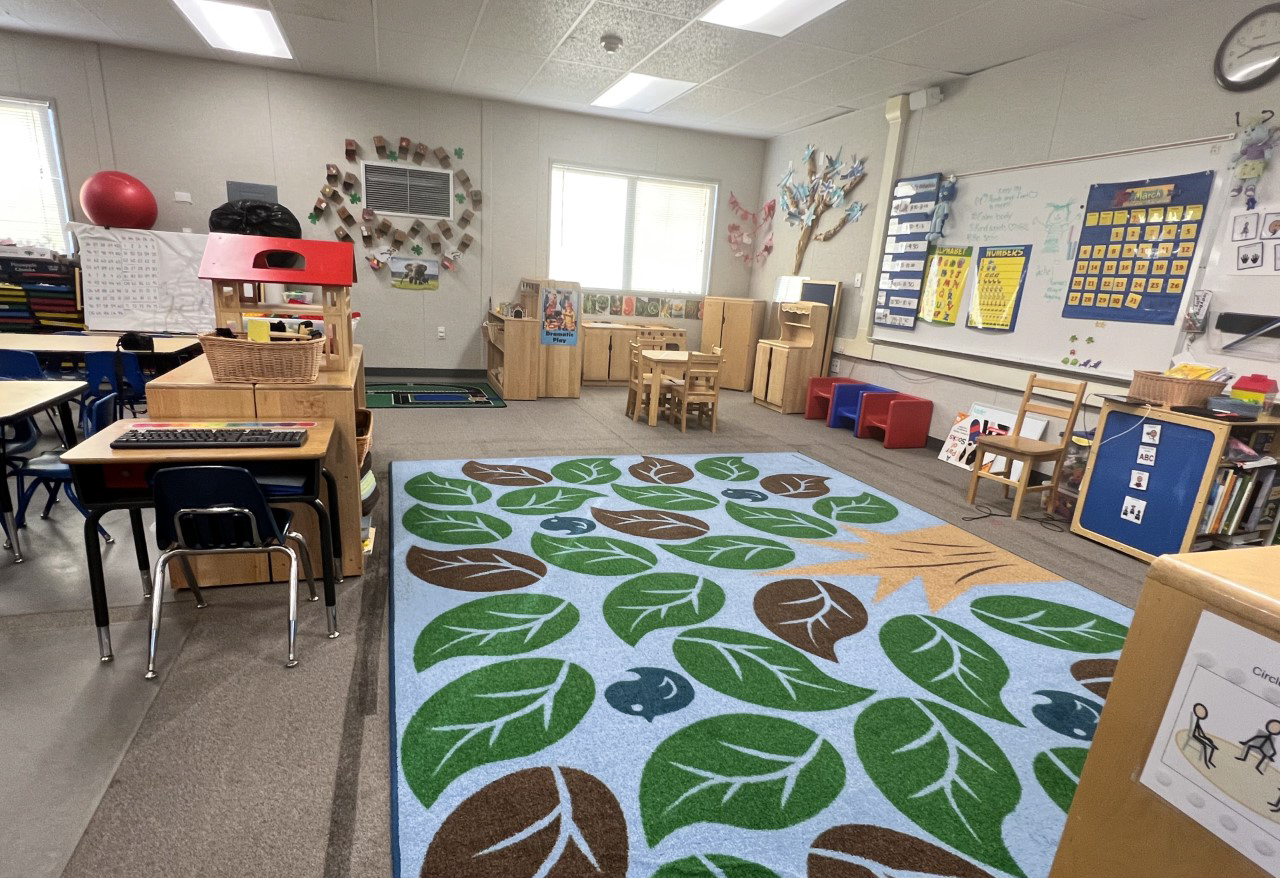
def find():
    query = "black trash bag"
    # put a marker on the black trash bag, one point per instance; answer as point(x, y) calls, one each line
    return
point(248, 217)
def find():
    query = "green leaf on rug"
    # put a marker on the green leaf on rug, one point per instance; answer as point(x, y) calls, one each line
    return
point(950, 661)
point(760, 671)
point(744, 770)
point(780, 522)
point(943, 772)
point(500, 711)
point(460, 527)
point(1058, 771)
point(713, 866)
point(660, 600)
point(735, 553)
point(587, 471)
point(545, 500)
point(1050, 624)
point(508, 624)
point(598, 556)
point(863, 509)
point(543, 821)
point(727, 469)
point(443, 491)
point(667, 497)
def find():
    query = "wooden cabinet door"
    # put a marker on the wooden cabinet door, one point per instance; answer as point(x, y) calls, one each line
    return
point(713, 316)
point(760, 385)
point(739, 336)
point(620, 354)
point(777, 389)
point(595, 353)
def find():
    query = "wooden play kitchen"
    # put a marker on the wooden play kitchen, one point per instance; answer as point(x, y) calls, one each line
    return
point(519, 365)
point(784, 365)
point(237, 267)
point(606, 348)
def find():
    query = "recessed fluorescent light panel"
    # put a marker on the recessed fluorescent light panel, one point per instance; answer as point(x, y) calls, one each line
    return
point(641, 93)
point(776, 17)
point(236, 28)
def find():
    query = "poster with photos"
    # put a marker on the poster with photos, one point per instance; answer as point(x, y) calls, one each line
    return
point(559, 316)
point(1255, 241)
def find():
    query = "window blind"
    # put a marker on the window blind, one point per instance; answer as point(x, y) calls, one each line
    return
point(33, 202)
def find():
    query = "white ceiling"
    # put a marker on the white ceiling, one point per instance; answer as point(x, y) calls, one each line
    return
point(547, 52)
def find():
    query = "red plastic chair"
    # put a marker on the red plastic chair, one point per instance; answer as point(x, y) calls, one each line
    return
point(818, 403)
point(903, 419)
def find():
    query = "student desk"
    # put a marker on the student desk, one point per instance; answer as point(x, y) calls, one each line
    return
point(107, 478)
point(190, 393)
point(660, 365)
point(39, 343)
point(20, 399)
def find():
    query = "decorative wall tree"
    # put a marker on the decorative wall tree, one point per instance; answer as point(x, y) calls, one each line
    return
point(827, 186)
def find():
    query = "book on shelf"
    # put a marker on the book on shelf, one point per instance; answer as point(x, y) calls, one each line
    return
point(1262, 496)
point(1244, 492)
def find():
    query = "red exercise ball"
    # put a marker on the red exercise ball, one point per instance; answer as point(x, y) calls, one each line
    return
point(113, 198)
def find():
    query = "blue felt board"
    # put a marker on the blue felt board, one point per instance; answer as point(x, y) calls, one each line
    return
point(1173, 482)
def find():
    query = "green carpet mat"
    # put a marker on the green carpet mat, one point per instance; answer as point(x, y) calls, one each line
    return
point(736, 666)
point(470, 394)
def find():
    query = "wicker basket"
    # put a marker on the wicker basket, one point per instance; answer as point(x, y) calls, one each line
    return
point(1154, 387)
point(364, 433)
point(281, 362)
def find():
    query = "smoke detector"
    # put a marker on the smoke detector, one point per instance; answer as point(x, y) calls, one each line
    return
point(611, 43)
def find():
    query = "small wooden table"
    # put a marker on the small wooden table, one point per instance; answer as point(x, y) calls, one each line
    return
point(18, 399)
point(661, 364)
point(107, 478)
point(39, 343)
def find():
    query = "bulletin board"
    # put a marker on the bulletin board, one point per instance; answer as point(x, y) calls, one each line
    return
point(135, 279)
point(825, 292)
point(1039, 211)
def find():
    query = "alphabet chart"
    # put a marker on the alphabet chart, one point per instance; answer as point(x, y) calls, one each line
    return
point(945, 273)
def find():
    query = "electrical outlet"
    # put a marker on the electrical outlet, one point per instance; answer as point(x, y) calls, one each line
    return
point(857, 281)
point(439, 332)
point(182, 197)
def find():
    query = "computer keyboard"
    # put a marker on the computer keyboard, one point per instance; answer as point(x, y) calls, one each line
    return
point(231, 437)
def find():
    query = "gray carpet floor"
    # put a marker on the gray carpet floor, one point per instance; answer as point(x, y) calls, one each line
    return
point(234, 766)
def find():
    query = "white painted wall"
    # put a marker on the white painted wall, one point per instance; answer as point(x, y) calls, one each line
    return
point(182, 124)
point(1141, 85)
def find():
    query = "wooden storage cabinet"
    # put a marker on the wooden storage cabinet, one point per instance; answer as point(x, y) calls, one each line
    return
point(511, 345)
point(785, 365)
point(735, 325)
point(606, 348)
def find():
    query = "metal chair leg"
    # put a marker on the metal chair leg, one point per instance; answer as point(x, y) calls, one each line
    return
point(305, 551)
point(157, 595)
point(293, 606)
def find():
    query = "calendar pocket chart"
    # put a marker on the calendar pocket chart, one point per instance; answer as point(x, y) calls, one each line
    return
point(902, 269)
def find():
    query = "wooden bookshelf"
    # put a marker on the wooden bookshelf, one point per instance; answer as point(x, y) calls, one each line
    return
point(512, 355)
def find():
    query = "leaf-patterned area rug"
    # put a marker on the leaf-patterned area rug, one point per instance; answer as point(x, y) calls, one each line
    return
point(733, 666)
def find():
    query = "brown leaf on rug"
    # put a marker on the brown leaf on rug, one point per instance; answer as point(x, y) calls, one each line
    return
point(795, 485)
point(809, 614)
point(658, 471)
point(1095, 674)
point(651, 523)
point(508, 475)
point(552, 822)
point(474, 569)
point(830, 853)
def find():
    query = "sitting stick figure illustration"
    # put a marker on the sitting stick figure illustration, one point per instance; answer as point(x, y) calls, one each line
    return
point(1263, 742)
point(1275, 806)
point(1207, 745)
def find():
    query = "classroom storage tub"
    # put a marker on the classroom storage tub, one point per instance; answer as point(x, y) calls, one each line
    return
point(364, 433)
point(1166, 390)
point(240, 361)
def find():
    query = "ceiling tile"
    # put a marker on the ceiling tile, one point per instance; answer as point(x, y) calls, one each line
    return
point(323, 46)
point(152, 23)
point(1001, 31)
point(863, 26)
point(781, 66)
point(357, 12)
point(702, 50)
point(706, 103)
point(774, 111)
point(565, 81)
point(68, 19)
point(1137, 8)
point(863, 77)
point(406, 57)
point(529, 27)
point(439, 19)
point(493, 71)
point(641, 33)
point(686, 9)
point(807, 120)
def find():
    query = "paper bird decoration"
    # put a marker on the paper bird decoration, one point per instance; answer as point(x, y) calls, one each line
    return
point(753, 227)
point(827, 185)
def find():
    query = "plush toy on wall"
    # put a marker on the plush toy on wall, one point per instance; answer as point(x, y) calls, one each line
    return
point(942, 210)
point(1250, 161)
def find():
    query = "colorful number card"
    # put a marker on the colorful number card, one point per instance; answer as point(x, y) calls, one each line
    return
point(1002, 273)
point(945, 273)
point(1136, 249)
point(902, 270)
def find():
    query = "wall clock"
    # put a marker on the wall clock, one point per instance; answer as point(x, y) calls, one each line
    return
point(1250, 53)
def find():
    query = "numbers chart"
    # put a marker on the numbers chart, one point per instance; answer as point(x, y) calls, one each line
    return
point(1136, 249)
point(1002, 273)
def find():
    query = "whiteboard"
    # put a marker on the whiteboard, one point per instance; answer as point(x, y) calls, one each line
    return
point(1043, 206)
point(136, 279)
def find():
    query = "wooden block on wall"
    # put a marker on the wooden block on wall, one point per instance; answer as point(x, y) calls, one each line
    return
point(331, 173)
point(416, 228)
point(329, 192)
point(420, 152)
point(380, 146)
point(466, 242)
point(463, 180)
point(341, 234)
point(476, 197)
point(345, 216)
point(442, 156)
point(349, 181)
point(398, 238)
point(366, 235)
point(466, 218)
point(405, 146)
point(443, 226)
point(368, 215)
point(321, 205)
point(435, 242)
point(351, 148)
point(383, 226)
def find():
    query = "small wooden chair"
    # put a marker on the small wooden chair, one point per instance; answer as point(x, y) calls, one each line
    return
point(1029, 452)
point(638, 381)
point(700, 390)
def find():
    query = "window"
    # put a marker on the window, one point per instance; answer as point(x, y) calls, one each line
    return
point(33, 200)
point(627, 232)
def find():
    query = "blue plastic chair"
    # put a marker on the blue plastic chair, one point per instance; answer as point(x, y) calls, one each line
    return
point(21, 366)
point(129, 385)
point(49, 471)
point(846, 403)
point(212, 509)
point(19, 437)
